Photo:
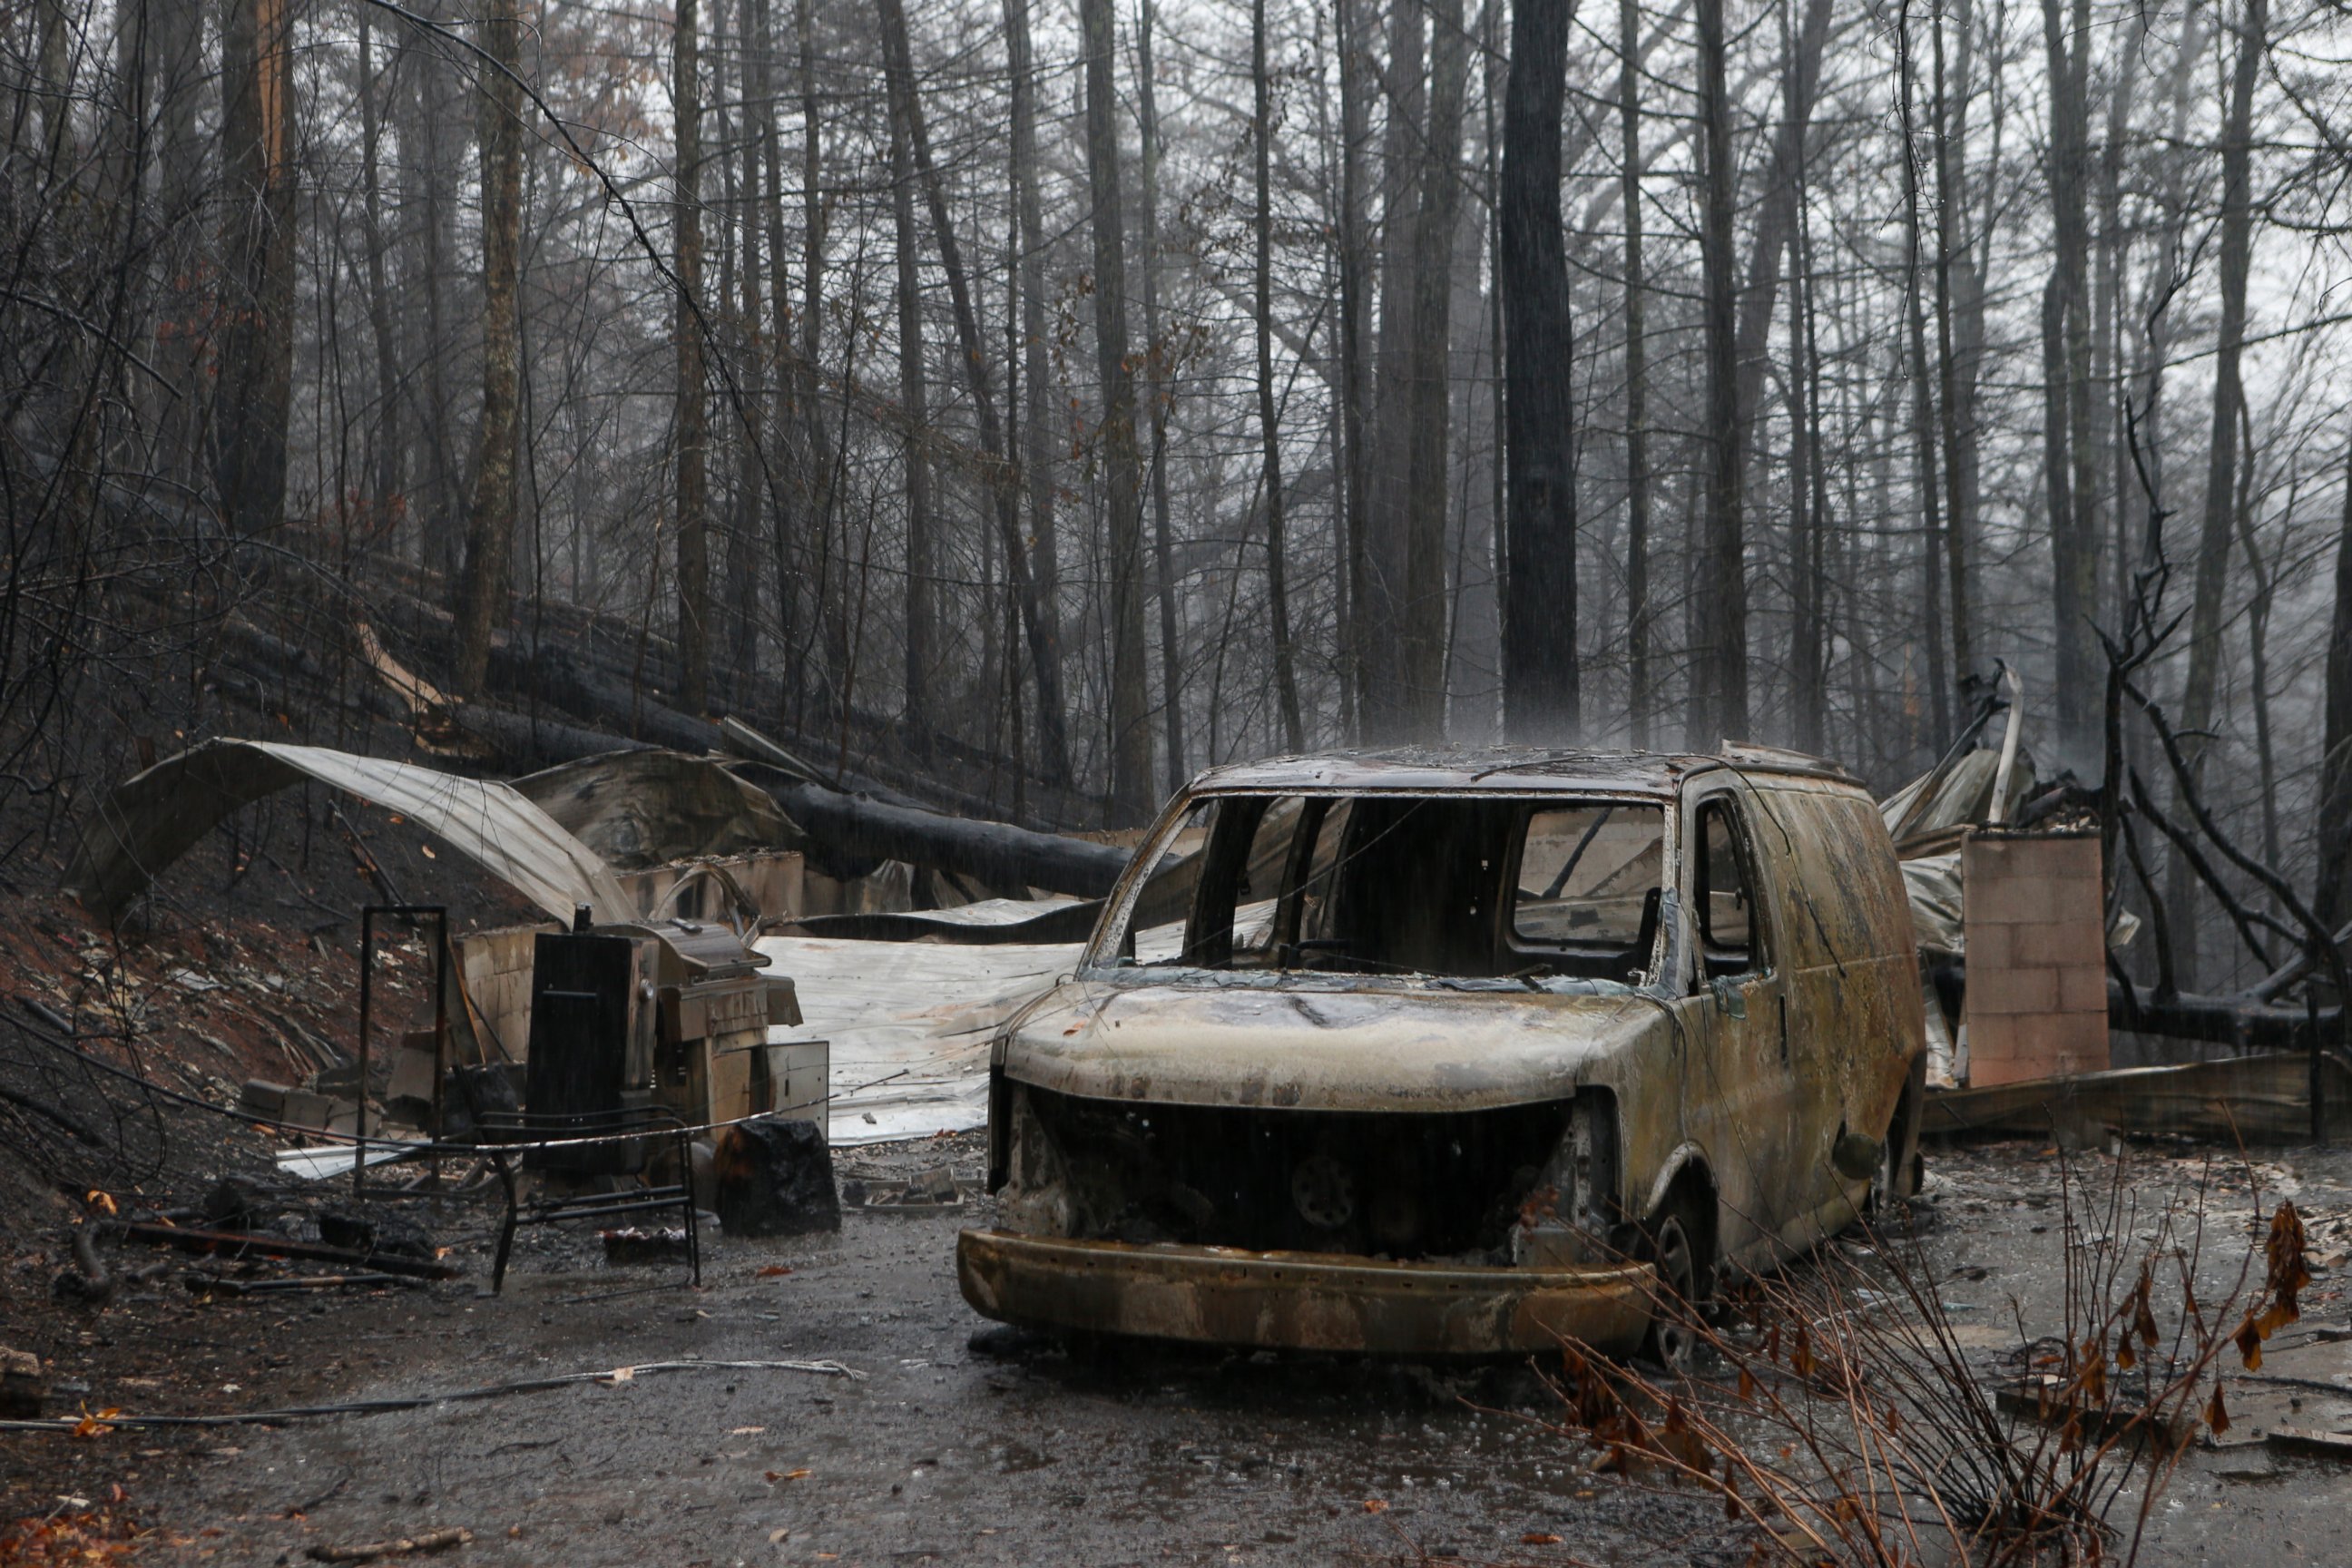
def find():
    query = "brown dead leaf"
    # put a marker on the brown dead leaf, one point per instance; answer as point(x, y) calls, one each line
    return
point(773, 1271)
point(1374, 1505)
point(2217, 1414)
point(2249, 1343)
point(1538, 1538)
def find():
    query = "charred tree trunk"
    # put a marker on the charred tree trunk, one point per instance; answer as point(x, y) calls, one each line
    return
point(2212, 577)
point(786, 544)
point(1277, 592)
point(829, 606)
point(751, 415)
point(1422, 694)
point(432, 167)
point(1381, 610)
point(1923, 418)
point(2213, 535)
point(1952, 134)
point(1171, 707)
point(256, 338)
point(2075, 547)
point(1641, 697)
point(489, 532)
point(913, 412)
point(1718, 696)
point(1355, 334)
point(385, 477)
point(692, 436)
point(179, 348)
point(1541, 679)
point(1131, 732)
point(1038, 452)
point(1005, 482)
point(2332, 896)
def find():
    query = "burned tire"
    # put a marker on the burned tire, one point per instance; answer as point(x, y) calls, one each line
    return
point(1679, 1246)
point(1901, 1167)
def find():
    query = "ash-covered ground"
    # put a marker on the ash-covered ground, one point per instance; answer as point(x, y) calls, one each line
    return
point(938, 1451)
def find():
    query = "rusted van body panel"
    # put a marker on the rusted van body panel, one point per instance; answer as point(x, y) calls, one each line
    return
point(1291, 1143)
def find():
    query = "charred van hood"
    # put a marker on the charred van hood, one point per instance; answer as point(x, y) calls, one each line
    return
point(1311, 1048)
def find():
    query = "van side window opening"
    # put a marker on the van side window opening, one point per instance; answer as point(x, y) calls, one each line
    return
point(1726, 898)
point(1397, 884)
point(1590, 873)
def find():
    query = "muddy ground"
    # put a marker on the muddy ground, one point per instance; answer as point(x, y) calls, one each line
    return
point(938, 1451)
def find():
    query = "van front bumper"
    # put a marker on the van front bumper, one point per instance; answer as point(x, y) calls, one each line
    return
point(1300, 1300)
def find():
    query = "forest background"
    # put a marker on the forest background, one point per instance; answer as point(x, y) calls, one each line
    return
point(1058, 396)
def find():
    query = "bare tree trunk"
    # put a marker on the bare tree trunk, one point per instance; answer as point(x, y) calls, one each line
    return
point(1278, 591)
point(1541, 695)
point(1718, 695)
point(1951, 141)
point(256, 338)
point(2332, 892)
point(832, 608)
point(785, 545)
point(1381, 610)
point(432, 162)
point(751, 433)
point(693, 433)
point(2228, 390)
point(2184, 894)
point(1354, 332)
point(1005, 482)
point(180, 68)
point(1422, 694)
point(1129, 708)
point(386, 478)
point(1808, 557)
point(914, 411)
point(2074, 555)
point(2108, 372)
point(1923, 418)
point(1038, 453)
point(489, 534)
point(1162, 394)
point(2258, 624)
point(1641, 697)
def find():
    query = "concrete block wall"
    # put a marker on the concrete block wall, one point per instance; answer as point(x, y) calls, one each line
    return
point(2037, 993)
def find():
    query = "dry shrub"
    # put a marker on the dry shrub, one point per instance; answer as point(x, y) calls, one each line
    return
point(1839, 1417)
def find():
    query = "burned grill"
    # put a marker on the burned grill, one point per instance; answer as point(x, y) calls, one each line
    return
point(1380, 1184)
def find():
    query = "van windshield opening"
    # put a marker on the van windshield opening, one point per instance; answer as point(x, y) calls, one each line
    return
point(1465, 886)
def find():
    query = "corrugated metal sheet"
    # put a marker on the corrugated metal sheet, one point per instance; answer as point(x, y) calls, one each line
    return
point(156, 816)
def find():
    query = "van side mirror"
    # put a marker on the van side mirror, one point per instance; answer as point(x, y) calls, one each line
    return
point(1729, 994)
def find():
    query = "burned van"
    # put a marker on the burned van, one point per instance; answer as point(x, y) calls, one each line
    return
point(1435, 1053)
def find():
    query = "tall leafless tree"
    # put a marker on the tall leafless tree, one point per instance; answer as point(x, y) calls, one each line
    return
point(1540, 685)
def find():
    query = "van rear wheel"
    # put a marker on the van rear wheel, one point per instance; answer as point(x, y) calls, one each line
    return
point(1677, 1247)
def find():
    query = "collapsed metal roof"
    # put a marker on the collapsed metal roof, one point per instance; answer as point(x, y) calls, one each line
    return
point(156, 816)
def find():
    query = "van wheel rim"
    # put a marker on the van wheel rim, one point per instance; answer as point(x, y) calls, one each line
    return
point(1677, 1266)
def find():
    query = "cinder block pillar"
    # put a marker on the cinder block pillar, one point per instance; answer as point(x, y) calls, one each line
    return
point(2034, 922)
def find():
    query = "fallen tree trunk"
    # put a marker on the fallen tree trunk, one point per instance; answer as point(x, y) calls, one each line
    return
point(233, 1242)
point(2243, 1020)
point(2239, 1021)
point(996, 853)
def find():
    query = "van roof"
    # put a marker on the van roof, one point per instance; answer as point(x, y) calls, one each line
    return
point(1511, 769)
